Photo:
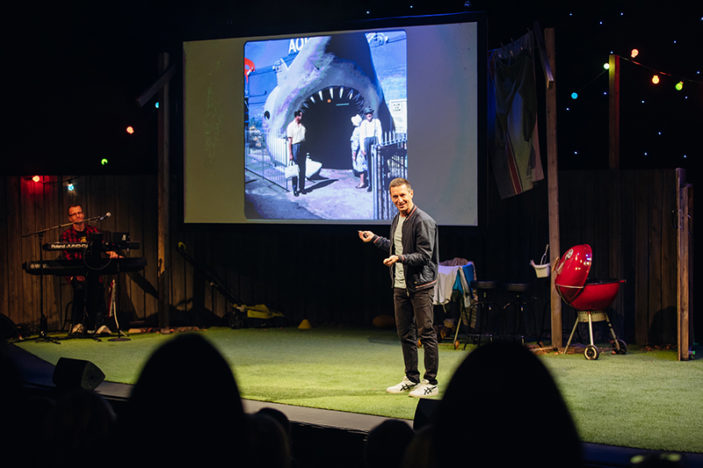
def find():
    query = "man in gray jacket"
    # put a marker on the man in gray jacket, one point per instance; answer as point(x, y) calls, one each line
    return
point(412, 255)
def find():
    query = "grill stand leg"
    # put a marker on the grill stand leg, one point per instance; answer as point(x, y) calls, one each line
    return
point(612, 332)
point(572, 334)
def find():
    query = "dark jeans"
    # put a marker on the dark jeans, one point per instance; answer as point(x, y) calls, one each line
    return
point(88, 305)
point(300, 159)
point(414, 315)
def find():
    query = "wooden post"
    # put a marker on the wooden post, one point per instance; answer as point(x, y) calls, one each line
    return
point(615, 251)
point(683, 243)
point(614, 111)
point(163, 199)
point(687, 293)
point(553, 188)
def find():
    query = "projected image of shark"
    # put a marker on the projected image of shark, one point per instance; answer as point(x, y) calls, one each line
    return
point(331, 79)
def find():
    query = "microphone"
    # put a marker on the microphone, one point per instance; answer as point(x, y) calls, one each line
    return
point(106, 215)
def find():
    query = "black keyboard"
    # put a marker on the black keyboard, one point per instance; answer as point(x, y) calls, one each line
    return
point(102, 266)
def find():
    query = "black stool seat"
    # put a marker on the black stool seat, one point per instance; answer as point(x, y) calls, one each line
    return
point(484, 284)
point(517, 287)
point(517, 311)
point(479, 314)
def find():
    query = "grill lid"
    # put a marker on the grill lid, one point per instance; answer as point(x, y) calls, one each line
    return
point(572, 270)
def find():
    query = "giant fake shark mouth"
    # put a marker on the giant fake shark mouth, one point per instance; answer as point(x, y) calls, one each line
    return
point(331, 109)
point(331, 80)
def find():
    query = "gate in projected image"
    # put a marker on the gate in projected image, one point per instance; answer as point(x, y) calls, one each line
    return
point(261, 161)
point(389, 160)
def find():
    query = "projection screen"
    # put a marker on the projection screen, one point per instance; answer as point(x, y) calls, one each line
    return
point(420, 82)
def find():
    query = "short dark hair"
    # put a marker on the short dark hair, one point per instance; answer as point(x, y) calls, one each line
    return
point(398, 181)
point(297, 113)
point(72, 205)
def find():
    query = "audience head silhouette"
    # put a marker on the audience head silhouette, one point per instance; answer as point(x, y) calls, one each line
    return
point(386, 444)
point(503, 408)
point(279, 416)
point(268, 442)
point(76, 429)
point(420, 453)
point(185, 406)
point(13, 426)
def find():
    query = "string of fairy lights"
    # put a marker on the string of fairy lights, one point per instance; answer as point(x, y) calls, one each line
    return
point(70, 184)
point(656, 77)
point(679, 82)
point(658, 103)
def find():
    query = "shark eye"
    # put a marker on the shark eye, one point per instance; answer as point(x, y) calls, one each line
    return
point(267, 115)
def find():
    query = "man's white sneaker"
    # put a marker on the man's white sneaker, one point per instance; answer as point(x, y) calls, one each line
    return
point(404, 386)
point(425, 390)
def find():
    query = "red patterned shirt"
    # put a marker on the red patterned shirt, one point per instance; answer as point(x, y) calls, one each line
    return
point(71, 235)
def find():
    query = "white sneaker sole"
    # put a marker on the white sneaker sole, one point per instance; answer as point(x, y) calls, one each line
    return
point(394, 391)
point(424, 395)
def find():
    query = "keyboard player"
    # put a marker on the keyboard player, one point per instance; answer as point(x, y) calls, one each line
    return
point(88, 308)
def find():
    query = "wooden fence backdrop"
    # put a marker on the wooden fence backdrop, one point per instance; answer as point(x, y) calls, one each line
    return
point(325, 274)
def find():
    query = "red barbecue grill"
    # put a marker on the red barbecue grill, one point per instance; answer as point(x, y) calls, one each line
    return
point(589, 299)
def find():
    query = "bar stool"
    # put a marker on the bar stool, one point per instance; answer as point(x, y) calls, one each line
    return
point(519, 304)
point(479, 313)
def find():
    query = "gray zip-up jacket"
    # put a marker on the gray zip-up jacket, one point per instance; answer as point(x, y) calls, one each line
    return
point(420, 249)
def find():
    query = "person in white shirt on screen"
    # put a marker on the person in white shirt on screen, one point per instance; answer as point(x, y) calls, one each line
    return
point(296, 139)
point(358, 160)
point(370, 131)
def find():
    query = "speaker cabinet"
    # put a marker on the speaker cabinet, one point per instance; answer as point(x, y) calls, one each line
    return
point(73, 373)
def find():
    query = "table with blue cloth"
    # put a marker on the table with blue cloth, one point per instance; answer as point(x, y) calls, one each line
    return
point(454, 278)
point(454, 284)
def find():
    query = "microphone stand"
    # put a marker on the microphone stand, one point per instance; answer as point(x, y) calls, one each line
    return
point(97, 218)
point(113, 304)
point(43, 332)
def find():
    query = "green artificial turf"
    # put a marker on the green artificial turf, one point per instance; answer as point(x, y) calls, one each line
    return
point(644, 399)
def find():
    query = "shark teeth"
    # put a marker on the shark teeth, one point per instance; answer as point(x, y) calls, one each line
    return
point(337, 94)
